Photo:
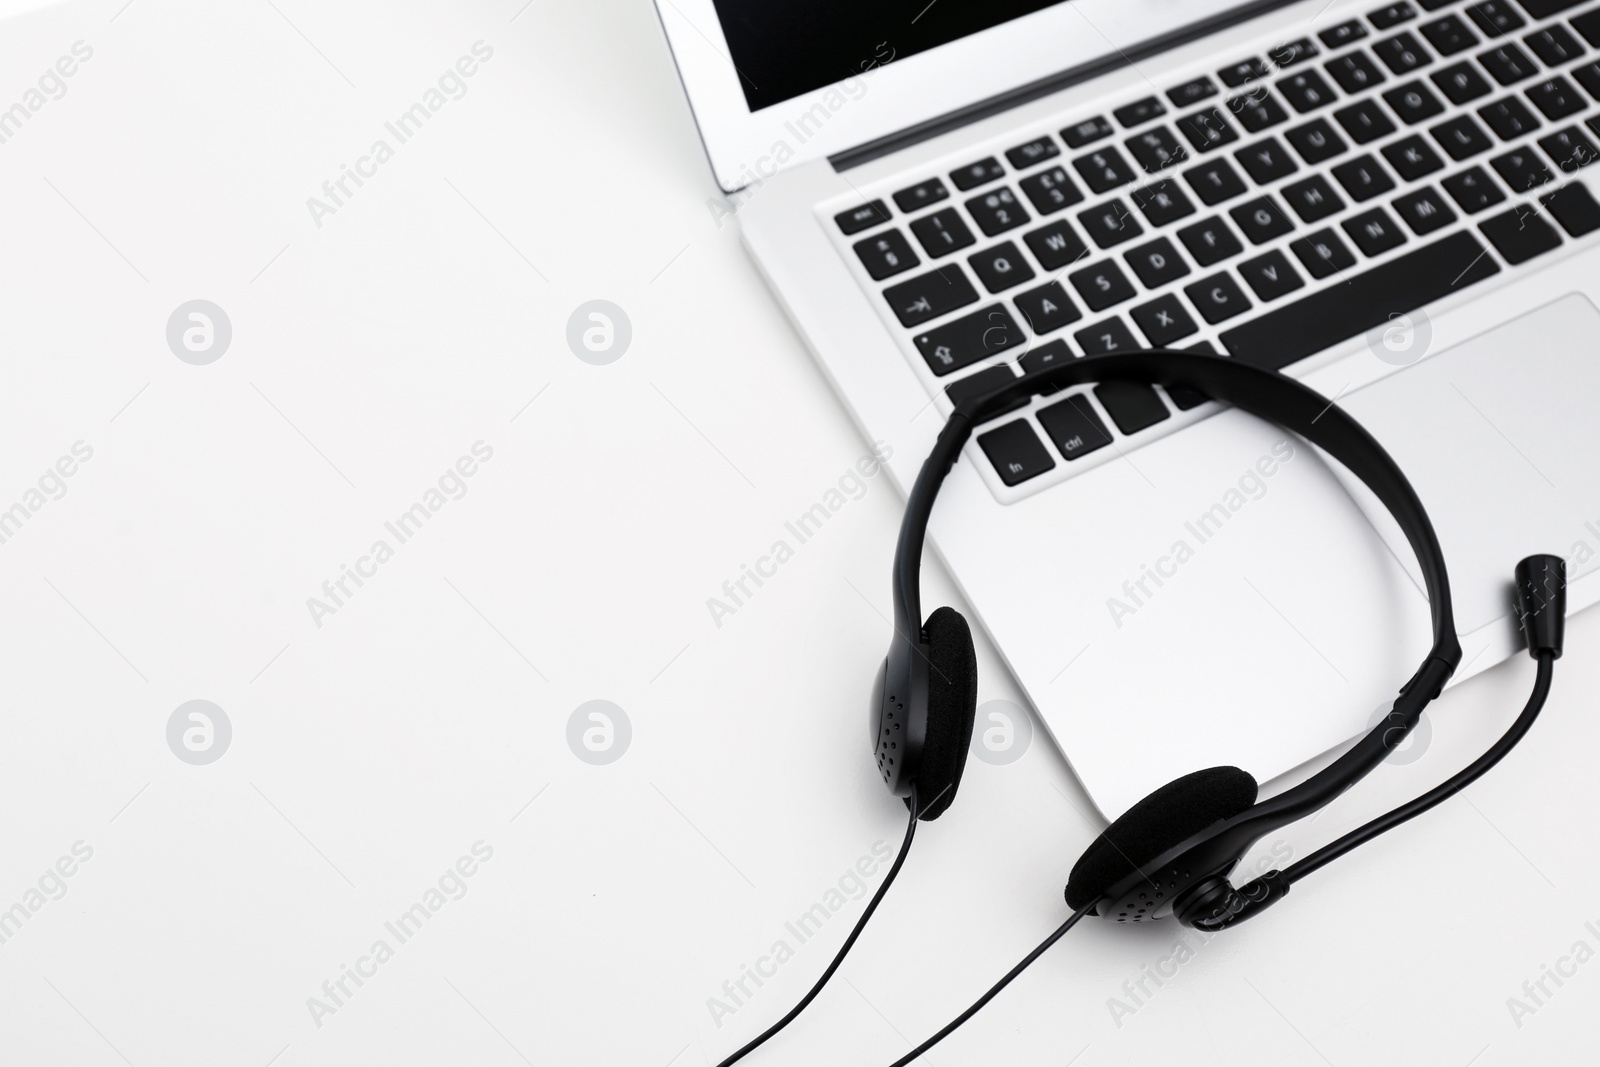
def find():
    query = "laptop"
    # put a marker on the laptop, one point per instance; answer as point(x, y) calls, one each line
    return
point(1393, 203)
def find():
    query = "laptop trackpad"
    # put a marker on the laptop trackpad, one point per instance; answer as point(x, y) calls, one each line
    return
point(1498, 436)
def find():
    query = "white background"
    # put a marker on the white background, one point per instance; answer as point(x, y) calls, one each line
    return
point(369, 754)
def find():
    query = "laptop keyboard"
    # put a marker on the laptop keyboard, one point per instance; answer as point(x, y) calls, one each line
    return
point(1276, 207)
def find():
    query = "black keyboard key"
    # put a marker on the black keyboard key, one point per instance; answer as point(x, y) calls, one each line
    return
point(1140, 111)
point(1207, 129)
point(1047, 308)
point(1356, 72)
point(1363, 178)
point(1086, 132)
point(969, 339)
point(930, 295)
point(1035, 151)
point(1521, 234)
point(1412, 158)
point(1306, 91)
point(983, 382)
point(1289, 53)
point(1261, 220)
point(1270, 276)
point(1425, 211)
point(1257, 110)
point(1496, 18)
point(1074, 427)
point(1288, 334)
point(1343, 34)
point(1413, 102)
point(1102, 285)
point(1163, 203)
point(1313, 198)
point(1267, 161)
point(1554, 45)
point(1588, 24)
point(997, 211)
point(1016, 452)
point(1111, 223)
point(1000, 267)
point(886, 254)
point(1218, 298)
point(975, 174)
point(1510, 118)
point(1461, 82)
point(1041, 358)
point(1192, 92)
point(1157, 263)
point(1133, 406)
point(1364, 121)
point(1461, 137)
point(921, 195)
point(1111, 335)
point(1557, 98)
point(1521, 169)
point(1104, 170)
point(1392, 15)
point(1375, 232)
point(1215, 182)
point(1056, 245)
point(1246, 71)
point(1508, 63)
point(1323, 254)
point(864, 217)
point(1588, 76)
point(1402, 53)
point(1050, 190)
point(1163, 321)
point(1473, 189)
point(1570, 148)
point(1573, 206)
point(1210, 241)
point(942, 232)
point(1157, 149)
point(1448, 35)
point(1543, 9)
point(1315, 141)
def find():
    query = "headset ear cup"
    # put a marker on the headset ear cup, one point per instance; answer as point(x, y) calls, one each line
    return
point(1169, 816)
point(952, 700)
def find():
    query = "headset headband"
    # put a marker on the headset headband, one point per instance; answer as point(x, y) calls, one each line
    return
point(1293, 406)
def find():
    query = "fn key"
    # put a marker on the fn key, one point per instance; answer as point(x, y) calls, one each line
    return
point(1016, 452)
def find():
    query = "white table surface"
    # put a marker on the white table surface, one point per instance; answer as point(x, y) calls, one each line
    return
point(429, 712)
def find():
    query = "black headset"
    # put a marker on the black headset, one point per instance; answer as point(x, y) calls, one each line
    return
point(1171, 854)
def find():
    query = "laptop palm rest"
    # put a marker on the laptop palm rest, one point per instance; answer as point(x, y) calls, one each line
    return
point(1500, 439)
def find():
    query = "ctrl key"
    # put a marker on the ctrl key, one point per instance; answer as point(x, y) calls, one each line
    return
point(1016, 452)
point(1074, 427)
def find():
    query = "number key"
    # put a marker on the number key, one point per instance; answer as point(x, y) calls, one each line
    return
point(1104, 170)
point(1051, 190)
point(997, 212)
point(942, 232)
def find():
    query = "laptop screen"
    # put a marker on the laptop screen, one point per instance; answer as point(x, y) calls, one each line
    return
point(783, 48)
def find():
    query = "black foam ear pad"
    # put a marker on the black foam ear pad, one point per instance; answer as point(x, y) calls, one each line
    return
point(952, 699)
point(1178, 810)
